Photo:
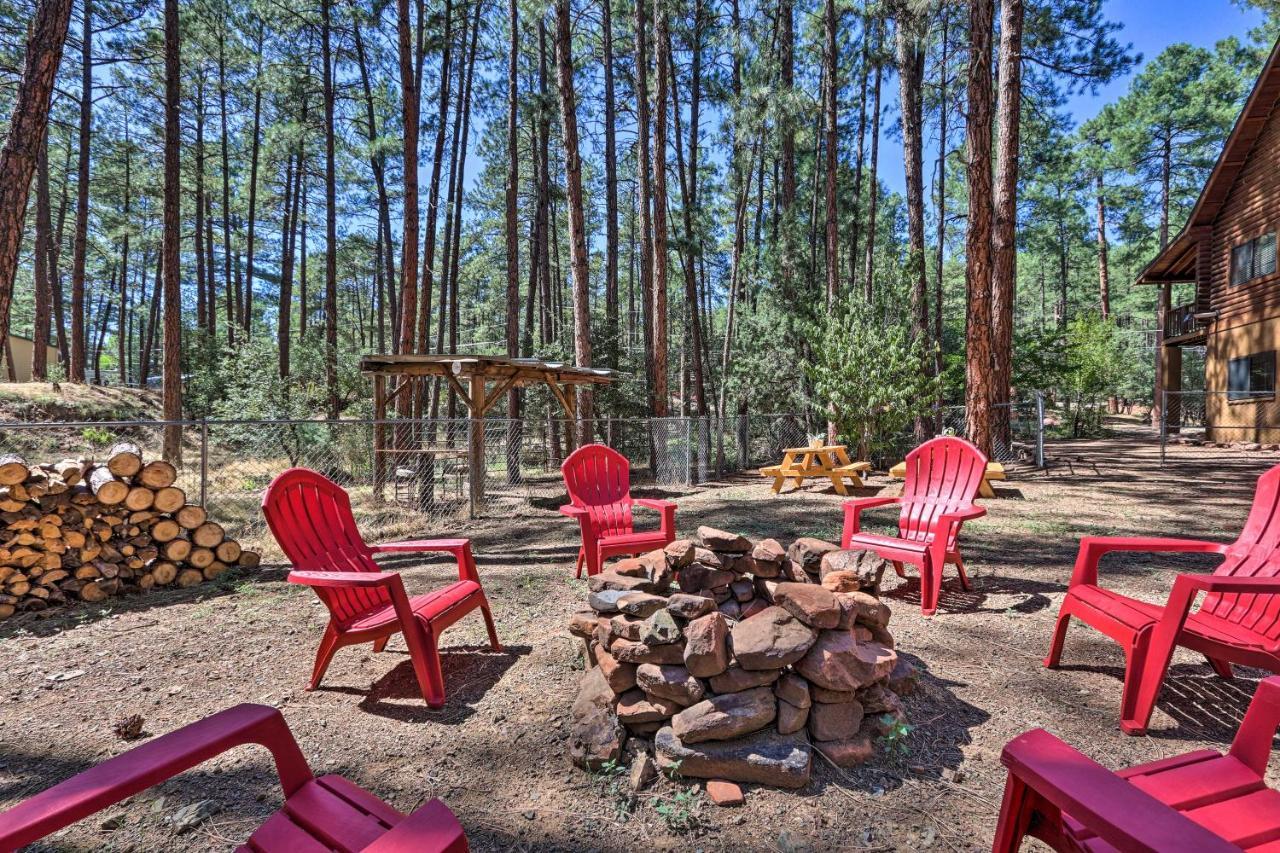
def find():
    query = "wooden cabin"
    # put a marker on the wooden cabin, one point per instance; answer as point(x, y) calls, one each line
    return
point(1228, 251)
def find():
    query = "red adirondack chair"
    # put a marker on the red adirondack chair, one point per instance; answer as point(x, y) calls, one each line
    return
point(1238, 622)
point(319, 813)
point(598, 480)
point(311, 518)
point(1200, 802)
point(942, 480)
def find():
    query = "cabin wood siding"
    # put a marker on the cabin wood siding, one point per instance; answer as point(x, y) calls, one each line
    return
point(1250, 209)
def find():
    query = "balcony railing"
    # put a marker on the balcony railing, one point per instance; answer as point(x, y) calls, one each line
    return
point(1181, 321)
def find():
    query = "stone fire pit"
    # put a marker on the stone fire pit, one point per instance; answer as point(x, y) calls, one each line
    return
point(727, 659)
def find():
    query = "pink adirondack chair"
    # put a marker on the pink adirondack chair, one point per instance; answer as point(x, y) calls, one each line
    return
point(1200, 802)
point(319, 813)
point(598, 480)
point(942, 480)
point(1238, 622)
point(311, 518)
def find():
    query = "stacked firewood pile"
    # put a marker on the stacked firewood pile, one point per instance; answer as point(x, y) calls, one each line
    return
point(82, 530)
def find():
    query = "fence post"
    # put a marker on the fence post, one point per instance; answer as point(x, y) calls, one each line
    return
point(1039, 429)
point(688, 455)
point(204, 462)
point(1164, 423)
point(744, 439)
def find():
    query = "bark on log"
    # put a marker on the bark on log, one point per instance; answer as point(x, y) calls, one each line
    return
point(124, 459)
point(106, 487)
point(13, 469)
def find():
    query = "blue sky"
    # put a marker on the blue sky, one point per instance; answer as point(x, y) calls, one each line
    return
point(1151, 26)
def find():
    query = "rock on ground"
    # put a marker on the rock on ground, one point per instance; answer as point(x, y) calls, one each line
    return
point(764, 758)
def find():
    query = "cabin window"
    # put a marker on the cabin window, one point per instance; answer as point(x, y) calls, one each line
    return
point(1252, 376)
point(1253, 259)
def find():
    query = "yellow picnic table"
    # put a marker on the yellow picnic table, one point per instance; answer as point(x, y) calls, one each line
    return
point(995, 471)
point(823, 460)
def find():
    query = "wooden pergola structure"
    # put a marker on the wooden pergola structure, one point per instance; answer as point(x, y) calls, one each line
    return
point(480, 381)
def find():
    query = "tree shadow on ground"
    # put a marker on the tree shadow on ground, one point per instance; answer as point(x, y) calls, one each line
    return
point(940, 725)
point(56, 620)
point(469, 673)
point(1204, 706)
point(989, 594)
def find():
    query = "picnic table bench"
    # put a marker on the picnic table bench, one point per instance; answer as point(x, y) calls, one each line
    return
point(995, 471)
point(824, 461)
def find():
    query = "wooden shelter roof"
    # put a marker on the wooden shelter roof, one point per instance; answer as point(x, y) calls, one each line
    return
point(1177, 261)
point(519, 371)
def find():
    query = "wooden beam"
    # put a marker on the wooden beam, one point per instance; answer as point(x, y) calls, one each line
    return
point(461, 391)
point(500, 389)
point(475, 456)
point(379, 437)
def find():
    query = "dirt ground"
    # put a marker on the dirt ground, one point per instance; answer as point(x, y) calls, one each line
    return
point(496, 752)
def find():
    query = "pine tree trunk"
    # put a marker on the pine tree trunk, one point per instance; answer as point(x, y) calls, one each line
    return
point(941, 189)
point(830, 61)
point(661, 391)
point(911, 53)
point(787, 132)
point(203, 308)
point(377, 164)
point(513, 236)
point(855, 221)
point(233, 298)
point(75, 370)
point(978, 236)
point(330, 216)
point(611, 192)
point(122, 366)
point(644, 196)
point(433, 191)
point(40, 266)
point(1004, 280)
point(172, 390)
point(284, 320)
point(409, 226)
point(255, 144)
point(1104, 276)
point(47, 33)
point(873, 182)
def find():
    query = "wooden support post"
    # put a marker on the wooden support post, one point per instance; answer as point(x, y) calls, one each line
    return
point(475, 455)
point(569, 403)
point(379, 437)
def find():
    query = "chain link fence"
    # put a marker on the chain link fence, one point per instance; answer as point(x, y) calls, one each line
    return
point(1218, 434)
point(423, 476)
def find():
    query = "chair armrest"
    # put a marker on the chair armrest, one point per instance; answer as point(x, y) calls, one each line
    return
point(432, 828)
point(655, 503)
point(966, 513)
point(142, 767)
point(347, 579)
point(420, 546)
point(1120, 813)
point(852, 511)
point(1092, 549)
point(1252, 744)
point(575, 511)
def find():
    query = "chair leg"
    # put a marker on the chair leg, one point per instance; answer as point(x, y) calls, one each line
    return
point(1059, 638)
point(899, 568)
point(1143, 678)
point(1015, 817)
point(1221, 667)
point(964, 578)
point(595, 563)
point(426, 663)
point(328, 645)
point(488, 624)
point(582, 557)
point(928, 588)
point(380, 644)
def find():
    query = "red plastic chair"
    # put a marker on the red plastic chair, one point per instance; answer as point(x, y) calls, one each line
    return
point(311, 518)
point(324, 813)
point(1200, 802)
point(598, 480)
point(942, 479)
point(1239, 621)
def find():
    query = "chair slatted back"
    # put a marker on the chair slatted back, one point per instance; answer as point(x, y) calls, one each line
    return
point(1255, 554)
point(942, 475)
point(310, 517)
point(598, 479)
